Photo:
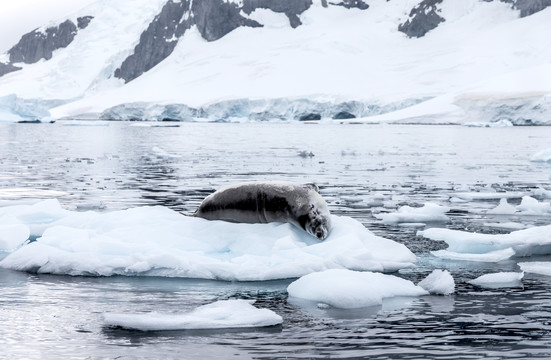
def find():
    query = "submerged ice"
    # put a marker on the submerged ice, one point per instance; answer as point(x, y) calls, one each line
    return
point(156, 241)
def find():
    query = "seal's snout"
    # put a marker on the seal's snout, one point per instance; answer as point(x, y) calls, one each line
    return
point(321, 233)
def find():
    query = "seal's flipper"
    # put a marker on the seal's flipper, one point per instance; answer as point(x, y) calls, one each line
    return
point(313, 187)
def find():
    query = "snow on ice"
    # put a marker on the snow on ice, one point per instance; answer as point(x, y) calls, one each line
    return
point(347, 289)
point(536, 267)
point(157, 241)
point(222, 314)
point(438, 282)
point(542, 156)
point(429, 212)
point(464, 245)
point(499, 280)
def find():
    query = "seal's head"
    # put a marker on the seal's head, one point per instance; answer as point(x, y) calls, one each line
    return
point(318, 223)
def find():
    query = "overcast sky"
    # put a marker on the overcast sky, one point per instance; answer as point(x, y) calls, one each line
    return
point(18, 17)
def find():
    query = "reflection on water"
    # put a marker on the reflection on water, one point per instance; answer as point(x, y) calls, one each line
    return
point(361, 170)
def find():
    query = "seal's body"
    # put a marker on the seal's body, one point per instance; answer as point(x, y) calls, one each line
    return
point(264, 202)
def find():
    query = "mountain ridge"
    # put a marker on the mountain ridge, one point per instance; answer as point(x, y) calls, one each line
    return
point(168, 26)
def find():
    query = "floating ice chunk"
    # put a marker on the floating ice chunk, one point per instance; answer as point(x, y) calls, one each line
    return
point(438, 282)
point(542, 156)
point(86, 123)
point(531, 206)
point(223, 314)
point(162, 153)
point(156, 241)
point(429, 212)
point(504, 208)
point(536, 267)
point(469, 246)
point(510, 225)
point(492, 256)
point(348, 289)
point(499, 280)
point(541, 192)
point(469, 196)
point(13, 235)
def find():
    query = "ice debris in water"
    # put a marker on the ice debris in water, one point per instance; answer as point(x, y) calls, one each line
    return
point(499, 280)
point(222, 314)
point(491, 247)
point(429, 212)
point(536, 267)
point(347, 289)
point(542, 156)
point(531, 206)
point(438, 282)
point(504, 208)
point(156, 241)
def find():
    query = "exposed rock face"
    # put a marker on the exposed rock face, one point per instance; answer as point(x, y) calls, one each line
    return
point(38, 45)
point(214, 19)
point(157, 41)
point(292, 9)
point(349, 4)
point(529, 7)
point(422, 19)
point(7, 68)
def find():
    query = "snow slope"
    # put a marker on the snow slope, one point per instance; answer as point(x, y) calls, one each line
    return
point(480, 64)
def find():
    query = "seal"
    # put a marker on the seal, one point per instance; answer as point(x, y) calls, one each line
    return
point(264, 202)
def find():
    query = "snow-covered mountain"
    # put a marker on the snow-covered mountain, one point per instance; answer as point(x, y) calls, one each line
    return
point(443, 61)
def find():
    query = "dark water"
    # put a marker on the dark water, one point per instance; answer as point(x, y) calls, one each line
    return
point(361, 170)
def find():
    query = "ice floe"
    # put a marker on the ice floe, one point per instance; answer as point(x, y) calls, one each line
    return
point(542, 156)
point(464, 245)
point(224, 314)
point(156, 241)
point(499, 280)
point(429, 212)
point(438, 282)
point(536, 267)
point(346, 289)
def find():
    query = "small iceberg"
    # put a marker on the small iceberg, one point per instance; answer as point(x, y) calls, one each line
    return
point(536, 267)
point(491, 247)
point(499, 280)
point(438, 282)
point(157, 241)
point(542, 156)
point(429, 212)
point(224, 314)
point(347, 289)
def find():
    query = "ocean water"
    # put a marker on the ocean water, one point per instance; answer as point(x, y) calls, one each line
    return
point(361, 170)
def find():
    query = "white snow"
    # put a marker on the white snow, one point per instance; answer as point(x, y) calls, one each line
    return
point(429, 212)
point(499, 280)
point(482, 57)
point(438, 282)
point(157, 241)
point(536, 267)
point(12, 235)
point(222, 314)
point(20, 17)
point(491, 247)
point(348, 289)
